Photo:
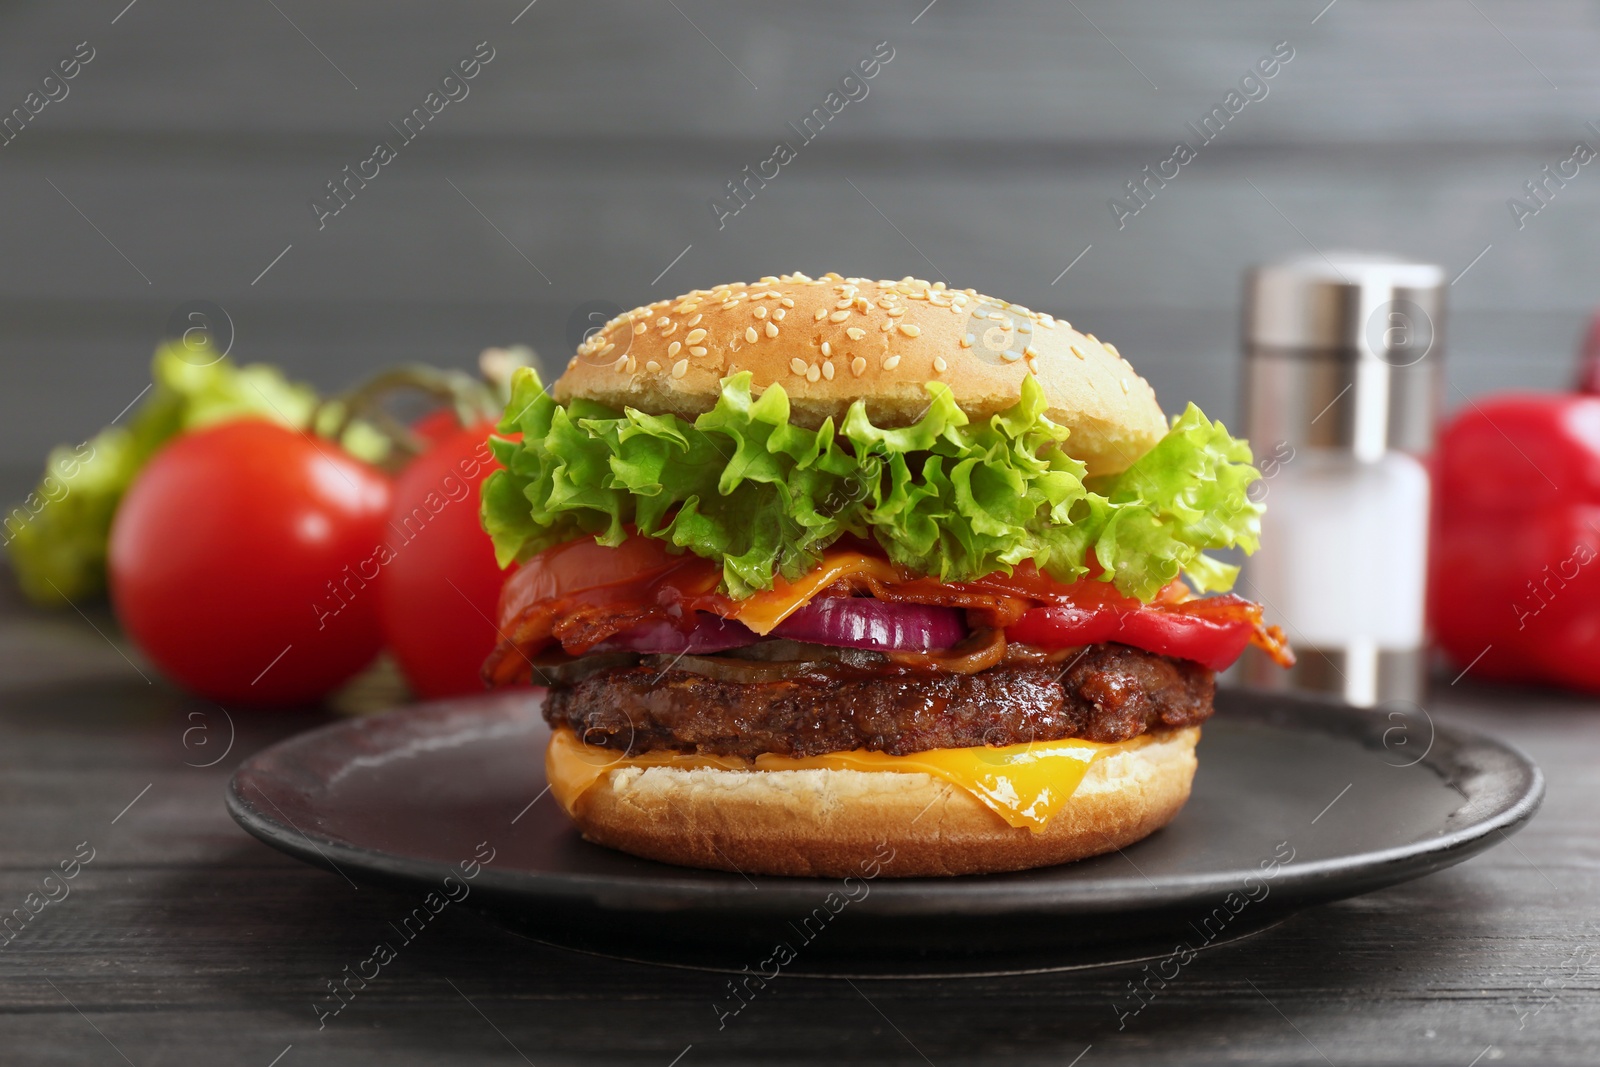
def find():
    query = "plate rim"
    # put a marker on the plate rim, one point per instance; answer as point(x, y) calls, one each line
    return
point(1002, 893)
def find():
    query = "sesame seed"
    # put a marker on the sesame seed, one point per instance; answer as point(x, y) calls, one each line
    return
point(633, 364)
point(966, 342)
point(778, 314)
point(827, 349)
point(761, 311)
point(640, 327)
point(680, 368)
point(797, 365)
point(672, 349)
point(863, 305)
point(653, 367)
point(896, 312)
point(855, 333)
point(891, 363)
point(787, 302)
point(694, 319)
point(664, 321)
point(620, 365)
point(772, 331)
point(697, 350)
point(914, 295)
point(750, 334)
point(813, 373)
point(606, 351)
point(821, 314)
point(910, 329)
point(729, 305)
point(827, 369)
point(858, 366)
point(839, 316)
point(1075, 351)
point(938, 285)
point(939, 364)
point(1113, 349)
point(1125, 386)
point(886, 326)
point(1031, 352)
point(1009, 356)
point(694, 337)
point(847, 302)
point(670, 330)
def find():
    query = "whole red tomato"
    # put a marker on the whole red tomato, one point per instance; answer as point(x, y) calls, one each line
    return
point(437, 425)
point(439, 593)
point(242, 562)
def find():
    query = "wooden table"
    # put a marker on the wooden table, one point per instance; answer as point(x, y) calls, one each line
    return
point(184, 941)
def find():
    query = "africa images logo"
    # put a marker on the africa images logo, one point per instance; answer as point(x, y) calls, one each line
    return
point(1400, 332)
point(1000, 334)
point(587, 321)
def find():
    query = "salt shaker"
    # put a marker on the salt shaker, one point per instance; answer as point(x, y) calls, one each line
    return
point(1341, 382)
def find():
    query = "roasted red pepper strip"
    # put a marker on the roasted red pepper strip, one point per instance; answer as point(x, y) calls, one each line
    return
point(1212, 632)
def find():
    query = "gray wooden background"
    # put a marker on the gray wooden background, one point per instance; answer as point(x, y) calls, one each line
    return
point(181, 163)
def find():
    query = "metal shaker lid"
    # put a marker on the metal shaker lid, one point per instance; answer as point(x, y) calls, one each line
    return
point(1344, 352)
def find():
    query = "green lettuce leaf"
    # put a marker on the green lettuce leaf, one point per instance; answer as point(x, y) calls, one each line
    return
point(57, 536)
point(945, 496)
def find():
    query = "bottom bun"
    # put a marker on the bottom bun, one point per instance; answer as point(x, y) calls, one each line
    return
point(836, 823)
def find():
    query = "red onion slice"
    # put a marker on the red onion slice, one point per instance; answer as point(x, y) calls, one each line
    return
point(862, 622)
point(708, 634)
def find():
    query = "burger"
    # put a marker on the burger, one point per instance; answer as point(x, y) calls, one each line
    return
point(824, 573)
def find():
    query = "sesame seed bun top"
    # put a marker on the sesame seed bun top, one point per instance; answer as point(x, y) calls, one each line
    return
point(831, 340)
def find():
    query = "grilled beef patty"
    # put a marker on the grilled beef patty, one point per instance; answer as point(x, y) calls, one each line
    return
point(1108, 693)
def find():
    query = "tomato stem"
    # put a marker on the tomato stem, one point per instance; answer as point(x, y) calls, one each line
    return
point(474, 399)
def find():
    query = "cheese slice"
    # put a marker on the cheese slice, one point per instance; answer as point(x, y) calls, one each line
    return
point(764, 610)
point(1024, 784)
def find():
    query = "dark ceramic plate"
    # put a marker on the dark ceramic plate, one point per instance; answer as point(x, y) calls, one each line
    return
point(1296, 802)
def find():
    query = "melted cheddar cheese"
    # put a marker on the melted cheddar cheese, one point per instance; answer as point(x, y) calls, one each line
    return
point(766, 609)
point(1024, 784)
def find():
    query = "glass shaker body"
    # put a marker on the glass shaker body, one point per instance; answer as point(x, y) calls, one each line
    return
point(1343, 568)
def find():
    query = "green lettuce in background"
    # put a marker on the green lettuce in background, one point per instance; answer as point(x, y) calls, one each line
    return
point(57, 536)
point(947, 496)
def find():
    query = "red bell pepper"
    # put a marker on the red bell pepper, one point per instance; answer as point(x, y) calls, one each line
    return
point(1514, 589)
